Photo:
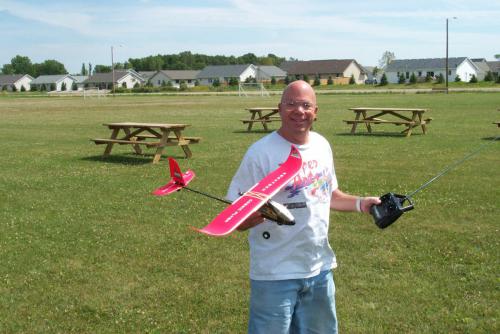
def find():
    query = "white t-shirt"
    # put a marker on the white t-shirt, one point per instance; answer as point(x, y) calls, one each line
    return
point(302, 250)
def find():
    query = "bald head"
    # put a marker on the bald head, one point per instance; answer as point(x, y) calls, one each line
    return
point(298, 88)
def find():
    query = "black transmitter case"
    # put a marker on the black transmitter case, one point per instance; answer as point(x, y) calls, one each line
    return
point(390, 209)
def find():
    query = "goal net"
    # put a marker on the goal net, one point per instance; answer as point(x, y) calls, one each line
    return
point(254, 89)
point(94, 93)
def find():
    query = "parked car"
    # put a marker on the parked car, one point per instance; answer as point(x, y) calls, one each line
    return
point(372, 81)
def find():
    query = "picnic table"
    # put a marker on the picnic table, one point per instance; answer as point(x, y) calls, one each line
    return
point(261, 115)
point(497, 123)
point(151, 135)
point(408, 117)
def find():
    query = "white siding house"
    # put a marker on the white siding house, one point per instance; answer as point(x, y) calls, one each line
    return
point(8, 81)
point(57, 81)
point(175, 77)
point(225, 72)
point(125, 79)
point(461, 66)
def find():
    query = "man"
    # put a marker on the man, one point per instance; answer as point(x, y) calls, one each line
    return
point(291, 279)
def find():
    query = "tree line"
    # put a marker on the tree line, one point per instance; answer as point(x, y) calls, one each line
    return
point(182, 61)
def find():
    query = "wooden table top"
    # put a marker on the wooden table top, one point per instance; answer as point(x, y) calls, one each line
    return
point(146, 125)
point(387, 109)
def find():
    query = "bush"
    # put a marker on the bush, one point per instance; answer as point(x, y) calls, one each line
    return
point(440, 78)
point(287, 80)
point(473, 79)
point(273, 81)
point(233, 82)
point(488, 76)
point(14, 88)
point(74, 86)
point(351, 80)
point(216, 82)
point(305, 78)
point(330, 80)
point(498, 80)
point(63, 86)
point(457, 78)
point(22, 88)
point(183, 86)
point(383, 80)
point(428, 77)
point(52, 86)
point(316, 82)
point(413, 78)
point(401, 79)
point(33, 88)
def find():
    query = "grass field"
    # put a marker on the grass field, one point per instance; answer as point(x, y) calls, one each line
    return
point(86, 248)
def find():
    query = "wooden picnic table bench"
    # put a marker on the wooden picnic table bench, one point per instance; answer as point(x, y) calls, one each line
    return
point(147, 134)
point(369, 116)
point(261, 115)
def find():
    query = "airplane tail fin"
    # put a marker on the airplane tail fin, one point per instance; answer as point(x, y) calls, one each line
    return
point(178, 180)
point(175, 172)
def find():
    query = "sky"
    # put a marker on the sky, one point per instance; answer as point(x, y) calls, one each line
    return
point(82, 31)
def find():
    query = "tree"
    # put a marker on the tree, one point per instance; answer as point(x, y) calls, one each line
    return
point(330, 80)
point(273, 81)
point(50, 67)
point(383, 80)
point(84, 70)
point(473, 79)
point(375, 71)
point(497, 56)
point(63, 86)
point(22, 65)
point(352, 81)
point(305, 77)
point(316, 82)
point(216, 83)
point(386, 59)
point(90, 69)
point(488, 76)
point(102, 69)
point(22, 88)
point(287, 80)
point(52, 86)
point(413, 78)
point(457, 78)
point(74, 86)
point(7, 69)
point(401, 79)
point(440, 78)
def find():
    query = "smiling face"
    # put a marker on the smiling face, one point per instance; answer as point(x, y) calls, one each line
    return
point(298, 110)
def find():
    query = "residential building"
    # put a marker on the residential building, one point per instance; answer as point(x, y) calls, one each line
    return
point(146, 75)
point(174, 77)
point(265, 73)
point(55, 82)
point(9, 81)
point(122, 78)
point(494, 67)
point(482, 66)
point(461, 66)
point(224, 73)
point(339, 70)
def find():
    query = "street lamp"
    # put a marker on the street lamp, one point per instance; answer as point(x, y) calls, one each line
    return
point(113, 68)
point(446, 75)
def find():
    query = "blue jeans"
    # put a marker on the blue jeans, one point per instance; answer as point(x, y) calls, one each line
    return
point(293, 306)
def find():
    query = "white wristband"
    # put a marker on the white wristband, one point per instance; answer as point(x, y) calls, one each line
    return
point(358, 203)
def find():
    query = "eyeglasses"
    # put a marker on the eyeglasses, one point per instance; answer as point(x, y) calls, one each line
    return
point(291, 105)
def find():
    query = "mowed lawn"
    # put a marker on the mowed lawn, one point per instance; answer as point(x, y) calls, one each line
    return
point(86, 248)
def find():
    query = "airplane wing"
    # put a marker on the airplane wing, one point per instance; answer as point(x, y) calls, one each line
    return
point(235, 214)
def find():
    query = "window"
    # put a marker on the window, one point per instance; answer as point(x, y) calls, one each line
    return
point(419, 73)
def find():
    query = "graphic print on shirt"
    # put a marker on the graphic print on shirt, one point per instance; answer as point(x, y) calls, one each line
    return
point(314, 179)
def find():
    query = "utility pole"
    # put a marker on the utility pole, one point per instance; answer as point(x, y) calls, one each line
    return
point(113, 69)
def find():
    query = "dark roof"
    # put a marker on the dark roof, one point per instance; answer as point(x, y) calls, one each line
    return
point(328, 66)
point(108, 76)
point(222, 71)
point(494, 66)
point(49, 79)
point(272, 71)
point(405, 65)
point(10, 79)
point(181, 74)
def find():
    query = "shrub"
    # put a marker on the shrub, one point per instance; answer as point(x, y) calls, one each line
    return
point(401, 79)
point(473, 79)
point(498, 80)
point(232, 82)
point(316, 82)
point(428, 77)
point(14, 88)
point(22, 88)
point(383, 80)
point(4, 88)
point(305, 78)
point(33, 88)
point(137, 85)
point(413, 78)
point(183, 86)
point(63, 86)
point(287, 80)
point(488, 76)
point(330, 80)
point(43, 88)
point(52, 86)
point(124, 84)
point(216, 82)
point(351, 80)
point(74, 86)
point(273, 81)
point(457, 78)
point(440, 78)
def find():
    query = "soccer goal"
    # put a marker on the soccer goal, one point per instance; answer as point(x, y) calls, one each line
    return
point(246, 89)
point(94, 92)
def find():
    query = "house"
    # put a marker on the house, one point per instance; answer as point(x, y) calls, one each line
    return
point(224, 73)
point(461, 66)
point(79, 81)
point(9, 81)
point(175, 77)
point(482, 66)
point(339, 70)
point(146, 75)
point(123, 78)
point(55, 82)
point(494, 67)
point(265, 73)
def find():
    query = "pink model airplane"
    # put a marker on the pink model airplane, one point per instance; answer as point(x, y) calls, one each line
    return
point(257, 198)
